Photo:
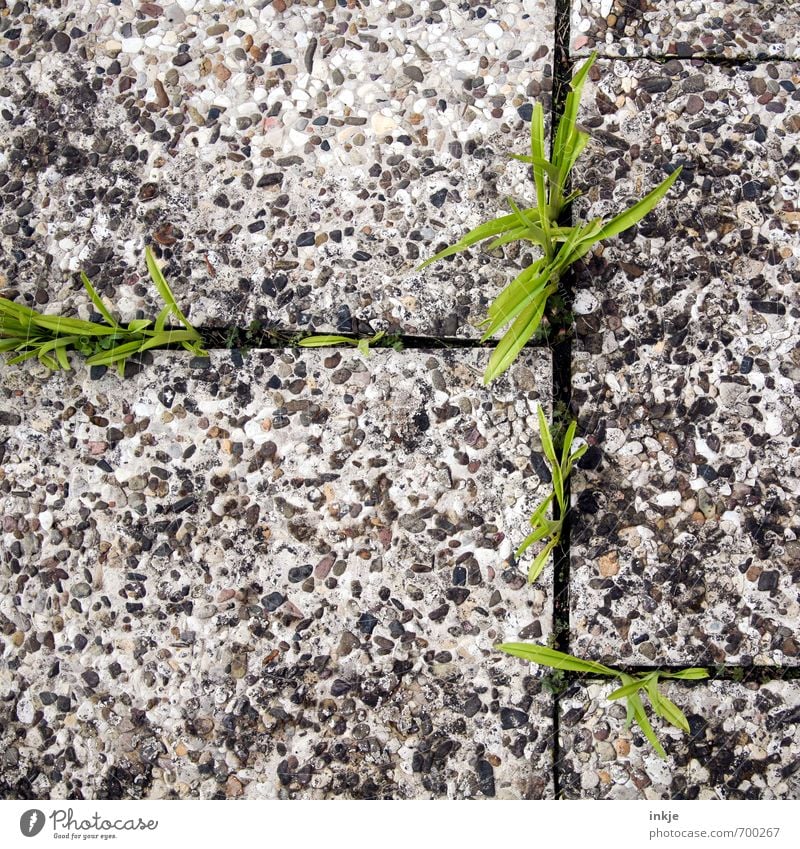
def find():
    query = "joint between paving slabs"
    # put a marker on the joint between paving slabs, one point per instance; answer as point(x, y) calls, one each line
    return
point(562, 379)
point(235, 337)
point(718, 61)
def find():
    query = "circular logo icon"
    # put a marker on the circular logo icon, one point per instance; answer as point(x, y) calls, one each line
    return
point(31, 822)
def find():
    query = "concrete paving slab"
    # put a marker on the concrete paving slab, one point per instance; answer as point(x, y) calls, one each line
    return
point(733, 29)
point(742, 745)
point(686, 370)
point(276, 577)
point(293, 162)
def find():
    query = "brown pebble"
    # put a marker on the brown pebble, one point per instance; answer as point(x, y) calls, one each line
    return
point(694, 104)
point(753, 573)
point(668, 442)
point(608, 564)
point(148, 191)
point(233, 787)
point(238, 667)
point(623, 747)
point(162, 99)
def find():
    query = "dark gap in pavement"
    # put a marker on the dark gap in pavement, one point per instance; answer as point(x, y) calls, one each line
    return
point(720, 61)
point(247, 339)
point(737, 674)
point(562, 378)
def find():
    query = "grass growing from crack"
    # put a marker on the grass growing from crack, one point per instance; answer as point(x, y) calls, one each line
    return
point(631, 689)
point(380, 339)
point(560, 470)
point(28, 333)
point(522, 303)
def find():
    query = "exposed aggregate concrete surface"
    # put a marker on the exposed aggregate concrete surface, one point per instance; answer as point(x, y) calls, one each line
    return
point(730, 29)
point(686, 369)
point(275, 577)
point(282, 575)
point(742, 745)
point(293, 161)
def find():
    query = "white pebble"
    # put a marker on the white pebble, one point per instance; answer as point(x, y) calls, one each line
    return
point(494, 31)
point(132, 45)
point(25, 709)
point(382, 124)
point(585, 303)
point(668, 499)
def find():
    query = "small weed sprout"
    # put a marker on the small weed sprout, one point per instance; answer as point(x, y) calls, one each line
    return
point(524, 300)
point(632, 685)
point(363, 345)
point(30, 334)
point(560, 470)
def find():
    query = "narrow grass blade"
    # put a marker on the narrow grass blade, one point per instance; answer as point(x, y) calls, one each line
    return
point(138, 346)
point(48, 361)
point(550, 171)
point(545, 437)
point(638, 211)
point(514, 340)
point(61, 354)
point(478, 234)
point(579, 142)
point(538, 155)
point(572, 459)
point(637, 712)
point(98, 301)
point(22, 357)
point(12, 344)
point(163, 289)
point(566, 443)
point(72, 326)
point(534, 233)
point(517, 295)
point(105, 358)
point(543, 530)
point(541, 559)
point(554, 659)
point(512, 236)
point(539, 512)
point(558, 486)
point(194, 348)
point(628, 689)
point(324, 341)
point(628, 715)
point(564, 140)
point(665, 708)
point(161, 318)
point(693, 674)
